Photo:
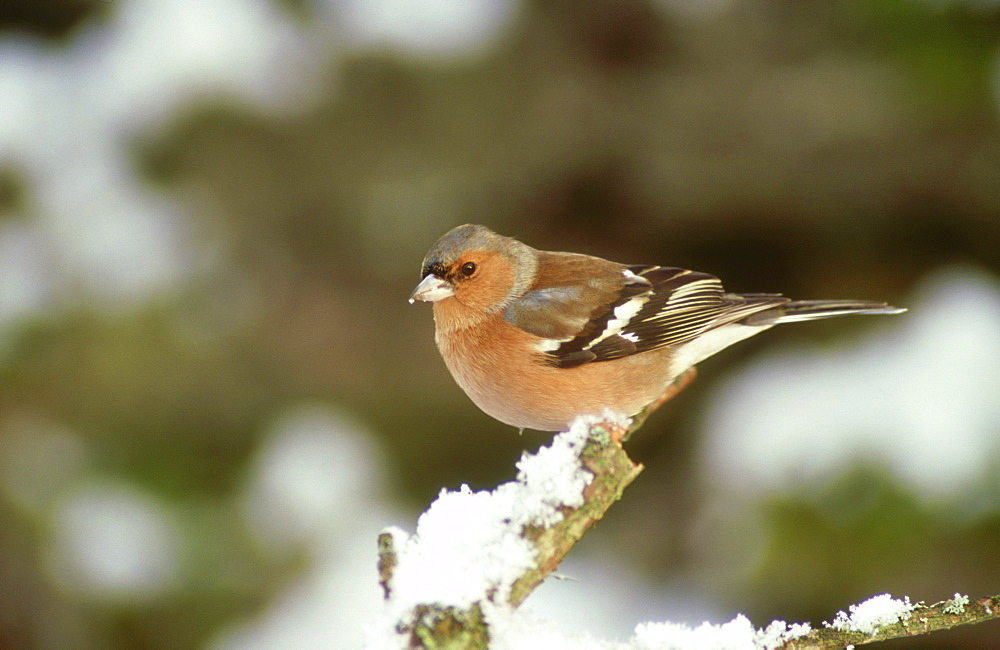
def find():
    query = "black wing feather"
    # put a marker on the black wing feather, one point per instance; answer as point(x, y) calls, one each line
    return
point(677, 306)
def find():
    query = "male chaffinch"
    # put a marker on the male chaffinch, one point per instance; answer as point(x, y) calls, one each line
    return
point(536, 338)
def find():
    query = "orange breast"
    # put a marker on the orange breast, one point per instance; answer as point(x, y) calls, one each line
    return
point(492, 364)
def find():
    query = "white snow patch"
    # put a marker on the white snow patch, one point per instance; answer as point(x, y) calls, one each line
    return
point(956, 605)
point(869, 616)
point(468, 543)
point(777, 633)
point(737, 634)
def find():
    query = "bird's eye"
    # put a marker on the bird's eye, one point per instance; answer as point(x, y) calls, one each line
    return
point(468, 268)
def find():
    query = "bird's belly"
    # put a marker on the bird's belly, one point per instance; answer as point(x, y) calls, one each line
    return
point(524, 392)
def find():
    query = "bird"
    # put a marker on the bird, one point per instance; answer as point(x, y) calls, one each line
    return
point(537, 338)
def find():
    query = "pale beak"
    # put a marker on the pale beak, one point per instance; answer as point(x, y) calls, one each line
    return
point(431, 289)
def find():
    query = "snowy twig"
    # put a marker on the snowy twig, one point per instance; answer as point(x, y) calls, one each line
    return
point(613, 471)
point(474, 551)
point(882, 624)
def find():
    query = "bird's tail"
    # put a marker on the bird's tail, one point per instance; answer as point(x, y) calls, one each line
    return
point(800, 310)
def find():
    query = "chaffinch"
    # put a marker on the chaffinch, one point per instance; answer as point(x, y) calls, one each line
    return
point(536, 338)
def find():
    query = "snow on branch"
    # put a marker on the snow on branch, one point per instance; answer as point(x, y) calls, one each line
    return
point(476, 555)
point(882, 618)
point(473, 551)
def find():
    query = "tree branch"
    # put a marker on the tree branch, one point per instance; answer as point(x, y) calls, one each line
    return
point(613, 471)
point(610, 470)
point(922, 619)
point(533, 522)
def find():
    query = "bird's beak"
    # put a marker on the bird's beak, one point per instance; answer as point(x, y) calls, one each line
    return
point(431, 289)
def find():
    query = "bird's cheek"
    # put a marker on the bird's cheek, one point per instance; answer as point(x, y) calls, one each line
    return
point(488, 290)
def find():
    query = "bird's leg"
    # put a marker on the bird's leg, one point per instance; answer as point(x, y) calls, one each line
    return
point(676, 386)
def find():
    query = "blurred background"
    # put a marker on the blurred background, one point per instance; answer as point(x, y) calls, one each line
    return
point(213, 393)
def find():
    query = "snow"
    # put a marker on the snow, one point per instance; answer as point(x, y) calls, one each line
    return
point(466, 545)
point(956, 605)
point(469, 543)
point(516, 631)
point(553, 478)
point(463, 548)
point(869, 616)
point(779, 632)
point(737, 634)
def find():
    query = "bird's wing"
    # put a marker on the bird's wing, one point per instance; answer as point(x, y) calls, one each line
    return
point(654, 307)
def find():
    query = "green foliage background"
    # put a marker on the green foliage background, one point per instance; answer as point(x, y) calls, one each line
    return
point(817, 149)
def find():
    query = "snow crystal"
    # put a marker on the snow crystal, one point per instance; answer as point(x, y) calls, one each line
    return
point(956, 605)
point(778, 633)
point(872, 614)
